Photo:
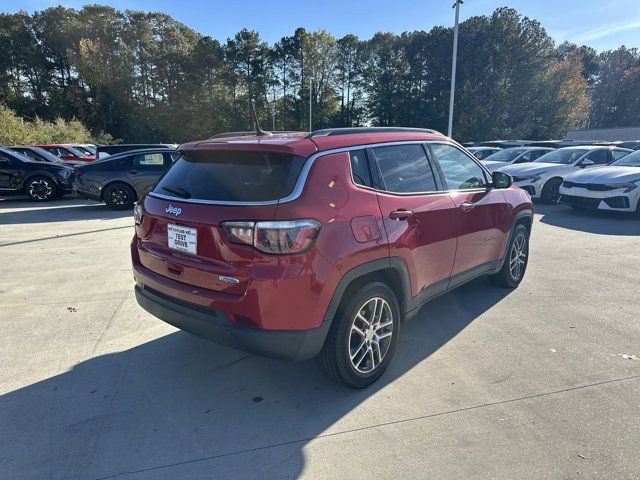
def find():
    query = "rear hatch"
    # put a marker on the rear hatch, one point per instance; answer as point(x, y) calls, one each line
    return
point(181, 237)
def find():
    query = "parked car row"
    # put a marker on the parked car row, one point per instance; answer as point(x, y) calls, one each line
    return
point(39, 180)
point(615, 187)
point(46, 172)
point(119, 180)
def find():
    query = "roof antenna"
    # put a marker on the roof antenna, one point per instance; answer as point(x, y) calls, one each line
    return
point(259, 131)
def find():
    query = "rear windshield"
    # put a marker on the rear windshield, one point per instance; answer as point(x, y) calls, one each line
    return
point(232, 176)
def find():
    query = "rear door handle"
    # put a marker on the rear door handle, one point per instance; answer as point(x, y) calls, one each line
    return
point(133, 171)
point(467, 206)
point(400, 214)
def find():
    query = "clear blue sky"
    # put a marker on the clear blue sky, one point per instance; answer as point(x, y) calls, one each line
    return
point(601, 24)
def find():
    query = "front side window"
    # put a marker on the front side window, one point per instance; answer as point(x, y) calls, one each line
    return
point(599, 157)
point(404, 169)
point(460, 172)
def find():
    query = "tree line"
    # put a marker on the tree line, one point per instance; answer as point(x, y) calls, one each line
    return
point(143, 76)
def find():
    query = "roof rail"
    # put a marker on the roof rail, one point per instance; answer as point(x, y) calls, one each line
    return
point(248, 133)
point(328, 132)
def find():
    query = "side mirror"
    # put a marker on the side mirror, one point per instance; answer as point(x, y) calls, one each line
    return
point(587, 163)
point(501, 180)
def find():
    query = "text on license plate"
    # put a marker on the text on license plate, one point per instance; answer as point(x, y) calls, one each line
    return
point(182, 238)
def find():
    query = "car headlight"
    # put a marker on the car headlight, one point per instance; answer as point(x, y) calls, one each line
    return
point(532, 178)
point(631, 185)
point(138, 213)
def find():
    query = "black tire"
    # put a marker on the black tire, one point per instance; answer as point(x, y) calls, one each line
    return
point(119, 196)
point(551, 191)
point(335, 358)
point(510, 275)
point(40, 188)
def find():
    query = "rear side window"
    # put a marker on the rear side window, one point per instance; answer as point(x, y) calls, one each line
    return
point(404, 169)
point(232, 176)
point(360, 168)
point(149, 160)
point(618, 154)
point(460, 172)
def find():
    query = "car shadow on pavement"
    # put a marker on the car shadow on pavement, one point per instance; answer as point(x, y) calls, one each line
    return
point(182, 407)
point(604, 223)
point(65, 210)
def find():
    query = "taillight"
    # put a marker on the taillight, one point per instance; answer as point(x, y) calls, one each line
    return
point(138, 213)
point(285, 237)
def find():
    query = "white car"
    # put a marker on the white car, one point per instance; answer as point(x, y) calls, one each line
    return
point(615, 187)
point(542, 177)
point(512, 156)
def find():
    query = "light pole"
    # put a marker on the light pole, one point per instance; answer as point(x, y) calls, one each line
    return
point(310, 104)
point(453, 66)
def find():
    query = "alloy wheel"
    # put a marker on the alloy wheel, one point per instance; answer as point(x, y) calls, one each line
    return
point(370, 335)
point(40, 189)
point(518, 256)
point(119, 196)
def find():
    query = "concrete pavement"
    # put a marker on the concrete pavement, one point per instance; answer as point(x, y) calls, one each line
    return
point(540, 382)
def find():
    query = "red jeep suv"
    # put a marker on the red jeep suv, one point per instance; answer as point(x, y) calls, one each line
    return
point(301, 245)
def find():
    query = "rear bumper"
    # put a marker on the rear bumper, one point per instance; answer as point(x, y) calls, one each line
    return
point(213, 325)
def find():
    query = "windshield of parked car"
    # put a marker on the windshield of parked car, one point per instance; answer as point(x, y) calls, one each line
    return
point(38, 154)
point(83, 150)
point(562, 156)
point(508, 155)
point(630, 160)
point(75, 151)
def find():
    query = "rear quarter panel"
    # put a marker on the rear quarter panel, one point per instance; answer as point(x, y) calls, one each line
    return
point(352, 233)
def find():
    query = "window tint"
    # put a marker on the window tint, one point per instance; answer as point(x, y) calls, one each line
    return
point(599, 157)
point(360, 168)
point(4, 158)
point(232, 176)
point(405, 169)
point(460, 172)
point(148, 160)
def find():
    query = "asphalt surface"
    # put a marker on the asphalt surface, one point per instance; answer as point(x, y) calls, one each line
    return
point(540, 382)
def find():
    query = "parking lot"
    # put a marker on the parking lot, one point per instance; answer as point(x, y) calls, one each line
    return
point(539, 382)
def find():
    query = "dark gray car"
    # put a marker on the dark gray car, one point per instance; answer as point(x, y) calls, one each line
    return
point(119, 180)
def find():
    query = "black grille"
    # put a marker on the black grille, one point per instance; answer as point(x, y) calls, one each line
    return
point(580, 201)
point(617, 202)
point(183, 303)
point(595, 187)
point(613, 202)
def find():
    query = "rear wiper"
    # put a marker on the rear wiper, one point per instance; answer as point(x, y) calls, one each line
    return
point(177, 191)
